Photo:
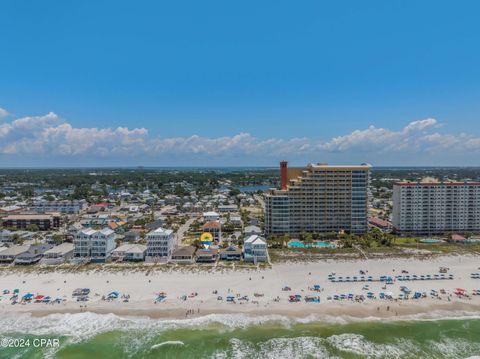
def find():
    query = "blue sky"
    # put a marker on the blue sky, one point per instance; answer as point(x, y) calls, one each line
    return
point(247, 83)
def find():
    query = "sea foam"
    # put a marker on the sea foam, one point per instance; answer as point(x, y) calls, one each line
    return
point(81, 326)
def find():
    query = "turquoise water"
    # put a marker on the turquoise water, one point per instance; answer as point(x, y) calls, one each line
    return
point(431, 241)
point(324, 244)
point(296, 245)
point(88, 335)
point(315, 244)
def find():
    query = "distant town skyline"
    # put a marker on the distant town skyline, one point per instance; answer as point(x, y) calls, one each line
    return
point(221, 84)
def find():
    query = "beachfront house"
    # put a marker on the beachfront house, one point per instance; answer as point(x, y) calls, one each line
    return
point(231, 253)
point(33, 254)
point(214, 228)
point(255, 249)
point(160, 244)
point(8, 255)
point(94, 245)
point(184, 255)
point(130, 252)
point(208, 255)
point(58, 254)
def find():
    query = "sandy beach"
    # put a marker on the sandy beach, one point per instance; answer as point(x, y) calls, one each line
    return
point(143, 287)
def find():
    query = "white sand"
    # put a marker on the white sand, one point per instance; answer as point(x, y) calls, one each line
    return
point(142, 289)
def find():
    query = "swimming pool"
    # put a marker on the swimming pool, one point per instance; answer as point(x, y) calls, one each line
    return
point(431, 240)
point(325, 244)
point(472, 240)
point(297, 244)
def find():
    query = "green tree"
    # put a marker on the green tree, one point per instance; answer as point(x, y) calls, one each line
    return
point(32, 228)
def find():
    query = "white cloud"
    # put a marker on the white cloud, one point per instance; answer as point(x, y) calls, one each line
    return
point(3, 112)
point(412, 138)
point(52, 136)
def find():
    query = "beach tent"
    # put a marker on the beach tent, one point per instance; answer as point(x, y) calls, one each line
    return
point(113, 294)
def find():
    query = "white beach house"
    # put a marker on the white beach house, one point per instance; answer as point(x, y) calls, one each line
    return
point(255, 249)
point(160, 244)
point(211, 216)
point(94, 245)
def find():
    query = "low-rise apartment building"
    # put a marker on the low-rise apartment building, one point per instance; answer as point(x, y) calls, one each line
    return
point(67, 207)
point(44, 222)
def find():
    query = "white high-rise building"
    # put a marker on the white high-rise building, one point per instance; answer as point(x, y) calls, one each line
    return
point(436, 207)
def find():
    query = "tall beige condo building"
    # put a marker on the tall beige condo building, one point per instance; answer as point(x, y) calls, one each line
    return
point(319, 198)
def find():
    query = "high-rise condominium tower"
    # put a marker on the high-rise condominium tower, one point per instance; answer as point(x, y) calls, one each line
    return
point(318, 198)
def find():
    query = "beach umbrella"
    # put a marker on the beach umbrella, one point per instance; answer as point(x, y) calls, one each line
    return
point(39, 297)
point(16, 290)
point(28, 296)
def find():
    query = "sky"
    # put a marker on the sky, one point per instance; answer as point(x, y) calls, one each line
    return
point(239, 83)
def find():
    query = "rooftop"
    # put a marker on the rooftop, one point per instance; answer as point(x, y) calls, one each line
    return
point(212, 224)
point(131, 248)
point(255, 239)
point(29, 216)
point(14, 250)
point(61, 248)
point(437, 183)
point(161, 231)
point(184, 251)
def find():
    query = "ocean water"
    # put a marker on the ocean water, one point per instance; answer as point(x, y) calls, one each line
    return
point(88, 335)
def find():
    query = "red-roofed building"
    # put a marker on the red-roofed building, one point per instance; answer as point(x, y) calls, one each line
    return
point(379, 223)
point(457, 238)
point(214, 228)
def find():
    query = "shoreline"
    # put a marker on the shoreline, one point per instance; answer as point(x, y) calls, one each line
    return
point(354, 311)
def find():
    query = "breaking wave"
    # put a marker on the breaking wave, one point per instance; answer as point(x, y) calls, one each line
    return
point(85, 325)
point(332, 337)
